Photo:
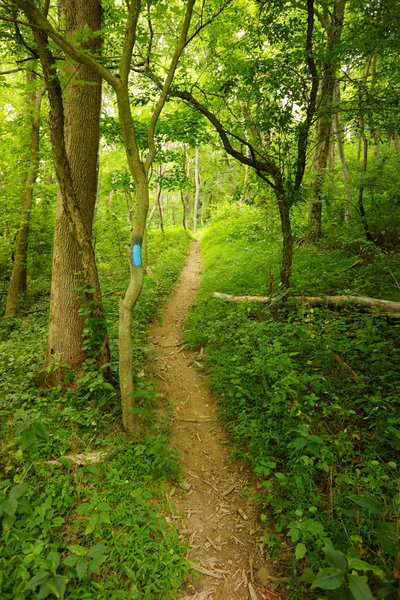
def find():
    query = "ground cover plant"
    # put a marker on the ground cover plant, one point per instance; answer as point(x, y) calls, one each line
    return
point(310, 397)
point(79, 529)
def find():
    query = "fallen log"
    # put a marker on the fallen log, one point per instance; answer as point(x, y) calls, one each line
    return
point(329, 301)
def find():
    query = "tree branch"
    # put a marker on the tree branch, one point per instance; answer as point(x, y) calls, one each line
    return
point(38, 21)
point(305, 126)
point(260, 165)
point(180, 46)
point(130, 38)
point(210, 20)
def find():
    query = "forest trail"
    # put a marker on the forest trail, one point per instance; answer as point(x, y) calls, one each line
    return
point(212, 511)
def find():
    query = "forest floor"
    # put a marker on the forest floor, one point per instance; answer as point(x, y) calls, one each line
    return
point(213, 508)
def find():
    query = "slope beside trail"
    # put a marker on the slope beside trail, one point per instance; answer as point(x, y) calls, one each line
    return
point(213, 508)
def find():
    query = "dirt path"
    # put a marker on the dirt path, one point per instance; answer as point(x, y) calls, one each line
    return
point(211, 510)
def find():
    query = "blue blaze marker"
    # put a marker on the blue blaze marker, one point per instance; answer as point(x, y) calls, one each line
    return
point(136, 255)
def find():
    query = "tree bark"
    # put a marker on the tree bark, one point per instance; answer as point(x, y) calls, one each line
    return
point(186, 198)
point(363, 151)
point(330, 301)
point(287, 250)
point(348, 209)
point(324, 122)
point(375, 135)
point(157, 199)
point(81, 134)
point(18, 274)
point(197, 188)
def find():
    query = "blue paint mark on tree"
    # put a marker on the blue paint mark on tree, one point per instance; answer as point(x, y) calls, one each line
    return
point(136, 255)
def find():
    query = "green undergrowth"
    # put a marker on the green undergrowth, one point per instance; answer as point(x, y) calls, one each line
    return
point(310, 398)
point(92, 530)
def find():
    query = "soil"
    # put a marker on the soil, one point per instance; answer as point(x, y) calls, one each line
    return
point(213, 508)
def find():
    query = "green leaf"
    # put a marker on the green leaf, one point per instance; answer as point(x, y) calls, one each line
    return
point(328, 579)
point(93, 520)
point(84, 508)
point(57, 585)
point(78, 550)
point(27, 437)
point(71, 560)
point(18, 490)
point(44, 591)
point(368, 503)
point(40, 430)
point(81, 567)
point(96, 551)
point(54, 558)
point(37, 579)
point(336, 559)
point(361, 565)
point(301, 551)
point(10, 506)
point(96, 563)
point(359, 588)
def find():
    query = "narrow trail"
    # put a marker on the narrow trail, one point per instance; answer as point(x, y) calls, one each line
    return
point(212, 511)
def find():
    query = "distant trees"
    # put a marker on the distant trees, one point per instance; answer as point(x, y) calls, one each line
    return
point(261, 113)
point(18, 275)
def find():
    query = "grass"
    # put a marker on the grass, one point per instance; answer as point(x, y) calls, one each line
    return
point(310, 399)
point(82, 531)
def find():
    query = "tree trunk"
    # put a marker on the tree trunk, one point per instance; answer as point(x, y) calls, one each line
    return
point(184, 224)
point(363, 150)
point(329, 301)
point(287, 251)
point(345, 170)
point(82, 109)
point(324, 122)
point(131, 419)
point(157, 198)
point(362, 187)
point(18, 274)
point(161, 212)
point(375, 135)
point(197, 186)
point(396, 142)
point(129, 204)
point(186, 199)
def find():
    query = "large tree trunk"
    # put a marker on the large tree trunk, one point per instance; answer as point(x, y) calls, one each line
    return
point(82, 110)
point(324, 122)
point(18, 274)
